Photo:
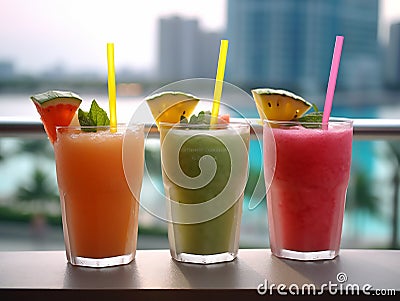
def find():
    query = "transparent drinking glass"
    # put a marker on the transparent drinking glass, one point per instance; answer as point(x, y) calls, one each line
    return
point(204, 172)
point(99, 192)
point(309, 164)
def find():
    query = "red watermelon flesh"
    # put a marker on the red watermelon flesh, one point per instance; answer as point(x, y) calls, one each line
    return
point(57, 115)
point(56, 108)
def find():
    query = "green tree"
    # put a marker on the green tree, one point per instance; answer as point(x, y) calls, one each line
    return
point(36, 147)
point(361, 201)
point(39, 189)
point(1, 154)
point(362, 198)
point(395, 148)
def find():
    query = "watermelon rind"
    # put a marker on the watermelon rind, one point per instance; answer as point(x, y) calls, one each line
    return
point(278, 104)
point(270, 91)
point(49, 98)
point(170, 93)
point(164, 103)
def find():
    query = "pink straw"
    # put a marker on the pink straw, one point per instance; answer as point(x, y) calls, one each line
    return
point(332, 80)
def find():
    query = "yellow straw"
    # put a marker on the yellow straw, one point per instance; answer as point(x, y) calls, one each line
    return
point(223, 50)
point(112, 93)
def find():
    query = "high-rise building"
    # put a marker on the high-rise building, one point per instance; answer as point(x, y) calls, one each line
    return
point(392, 68)
point(290, 43)
point(185, 50)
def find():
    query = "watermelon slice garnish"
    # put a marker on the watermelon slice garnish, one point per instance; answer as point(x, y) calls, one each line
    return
point(279, 104)
point(56, 108)
point(170, 106)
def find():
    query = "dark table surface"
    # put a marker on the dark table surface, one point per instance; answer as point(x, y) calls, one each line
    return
point(255, 273)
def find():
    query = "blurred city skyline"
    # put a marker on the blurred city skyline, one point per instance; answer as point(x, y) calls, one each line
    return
point(70, 36)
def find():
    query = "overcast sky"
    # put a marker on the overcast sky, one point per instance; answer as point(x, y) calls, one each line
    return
point(41, 34)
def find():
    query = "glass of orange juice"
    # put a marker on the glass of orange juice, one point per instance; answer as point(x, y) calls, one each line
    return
point(99, 175)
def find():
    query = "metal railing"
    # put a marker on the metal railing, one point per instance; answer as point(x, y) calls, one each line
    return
point(370, 129)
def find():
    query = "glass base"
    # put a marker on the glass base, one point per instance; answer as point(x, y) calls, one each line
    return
point(204, 259)
point(101, 262)
point(306, 256)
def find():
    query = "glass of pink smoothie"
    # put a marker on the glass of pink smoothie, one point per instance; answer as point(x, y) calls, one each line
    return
point(306, 198)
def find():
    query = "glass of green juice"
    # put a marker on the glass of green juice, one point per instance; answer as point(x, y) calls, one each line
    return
point(204, 169)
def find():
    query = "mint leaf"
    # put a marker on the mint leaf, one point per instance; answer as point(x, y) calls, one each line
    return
point(83, 118)
point(314, 117)
point(95, 117)
point(98, 115)
point(201, 118)
point(311, 117)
